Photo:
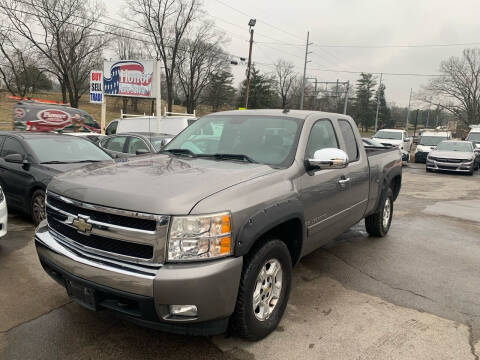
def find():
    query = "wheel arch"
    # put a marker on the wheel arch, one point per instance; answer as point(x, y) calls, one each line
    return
point(283, 221)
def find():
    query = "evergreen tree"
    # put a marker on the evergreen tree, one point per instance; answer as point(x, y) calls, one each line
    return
point(364, 104)
point(262, 93)
point(220, 91)
point(384, 113)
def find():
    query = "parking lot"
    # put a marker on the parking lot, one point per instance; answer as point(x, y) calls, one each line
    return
point(413, 294)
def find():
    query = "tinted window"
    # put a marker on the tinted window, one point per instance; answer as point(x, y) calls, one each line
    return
point(136, 144)
point(349, 138)
point(322, 136)
point(111, 128)
point(115, 143)
point(68, 149)
point(12, 146)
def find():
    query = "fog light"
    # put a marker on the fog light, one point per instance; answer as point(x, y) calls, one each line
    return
point(183, 310)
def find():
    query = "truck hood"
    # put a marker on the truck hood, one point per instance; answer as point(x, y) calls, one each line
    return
point(425, 148)
point(452, 154)
point(157, 184)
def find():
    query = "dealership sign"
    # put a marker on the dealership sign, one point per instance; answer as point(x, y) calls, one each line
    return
point(96, 87)
point(132, 78)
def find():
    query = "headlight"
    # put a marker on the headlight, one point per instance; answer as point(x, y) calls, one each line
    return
point(199, 237)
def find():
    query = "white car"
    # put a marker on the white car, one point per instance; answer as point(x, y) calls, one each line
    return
point(474, 136)
point(428, 141)
point(394, 137)
point(3, 214)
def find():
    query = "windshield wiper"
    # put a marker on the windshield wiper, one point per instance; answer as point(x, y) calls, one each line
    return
point(54, 162)
point(241, 157)
point(179, 152)
point(84, 161)
point(69, 162)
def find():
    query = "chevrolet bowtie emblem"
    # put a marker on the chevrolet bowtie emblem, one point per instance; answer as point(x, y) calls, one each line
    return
point(82, 225)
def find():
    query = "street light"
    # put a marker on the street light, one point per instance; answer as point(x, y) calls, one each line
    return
point(251, 24)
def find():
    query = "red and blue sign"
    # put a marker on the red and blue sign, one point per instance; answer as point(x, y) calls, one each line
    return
point(128, 78)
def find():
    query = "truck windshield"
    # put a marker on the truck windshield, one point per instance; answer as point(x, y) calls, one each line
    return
point(66, 149)
point(455, 146)
point(474, 137)
point(431, 140)
point(261, 139)
point(391, 135)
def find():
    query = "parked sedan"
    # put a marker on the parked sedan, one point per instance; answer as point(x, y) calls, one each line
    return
point(28, 161)
point(132, 144)
point(458, 156)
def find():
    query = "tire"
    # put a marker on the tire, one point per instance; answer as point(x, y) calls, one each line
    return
point(375, 224)
point(247, 321)
point(37, 206)
point(428, 170)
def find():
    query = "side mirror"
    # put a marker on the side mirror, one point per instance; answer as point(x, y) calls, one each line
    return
point(14, 158)
point(329, 158)
point(142, 152)
point(407, 139)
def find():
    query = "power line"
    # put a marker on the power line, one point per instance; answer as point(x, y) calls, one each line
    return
point(376, 73)
point(262, 21)
point(398, 46)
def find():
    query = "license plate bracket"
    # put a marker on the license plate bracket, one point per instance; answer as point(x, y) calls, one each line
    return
point(82, 295)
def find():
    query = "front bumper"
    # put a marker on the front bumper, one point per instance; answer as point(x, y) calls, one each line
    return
point(147, 292)
point(463, 167)
point(421, 157)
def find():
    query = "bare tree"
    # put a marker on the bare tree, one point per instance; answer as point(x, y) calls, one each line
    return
point(62, 32)
point(285, 76)
point(458, 90)
point(18, 66)
point(199, 58)
point(165, 22)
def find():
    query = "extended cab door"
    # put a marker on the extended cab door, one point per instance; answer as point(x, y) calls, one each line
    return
point(356, 174)
point(319, 189)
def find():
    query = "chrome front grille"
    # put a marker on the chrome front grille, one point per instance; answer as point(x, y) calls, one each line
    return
point(118, 234)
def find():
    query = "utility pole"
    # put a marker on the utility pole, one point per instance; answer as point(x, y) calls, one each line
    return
point(428, 115)
point(416, 121)
point(336, 98)
point(378, 103)
point(408, 111)
point(305, 70)
point(346, 98)
point(251, 24)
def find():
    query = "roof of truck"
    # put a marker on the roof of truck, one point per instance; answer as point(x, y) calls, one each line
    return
point(301, 114)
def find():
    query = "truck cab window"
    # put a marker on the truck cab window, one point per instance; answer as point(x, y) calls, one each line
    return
point(349, 138)
point(322, 136)
point(12, 146)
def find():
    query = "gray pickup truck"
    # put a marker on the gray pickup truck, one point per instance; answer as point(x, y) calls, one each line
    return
point(202, 238)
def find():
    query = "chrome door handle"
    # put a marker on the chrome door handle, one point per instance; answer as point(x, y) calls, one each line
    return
point(343, 182)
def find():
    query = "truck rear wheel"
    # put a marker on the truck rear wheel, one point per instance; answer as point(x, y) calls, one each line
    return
point(264, 291)
point(378, 224)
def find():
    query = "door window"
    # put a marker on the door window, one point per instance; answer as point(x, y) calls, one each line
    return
point(111, 128)
point(115, 143)
point(135, 144)
point(12, 146)
point(349, 138)
point(322, 136)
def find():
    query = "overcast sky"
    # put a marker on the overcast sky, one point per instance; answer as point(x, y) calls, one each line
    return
point(348, 22)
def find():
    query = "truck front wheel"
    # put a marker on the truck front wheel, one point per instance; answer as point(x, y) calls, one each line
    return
point(378, 224)
point(264, 290)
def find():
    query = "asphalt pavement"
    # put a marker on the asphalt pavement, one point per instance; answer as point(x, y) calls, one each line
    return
point(414, 294)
